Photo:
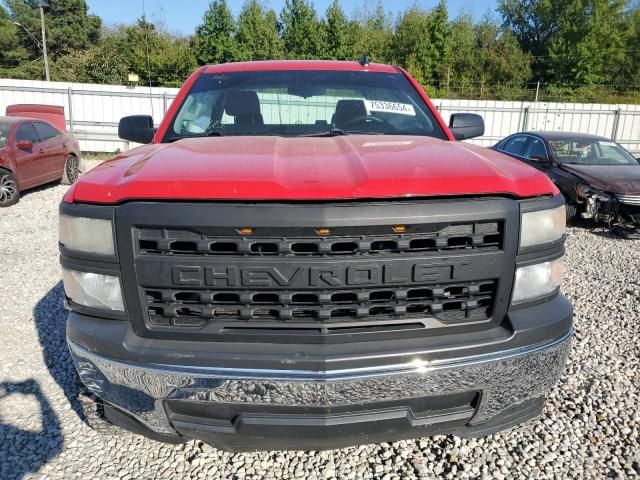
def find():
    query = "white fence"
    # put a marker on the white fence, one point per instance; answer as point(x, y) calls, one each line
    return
point(93, 112)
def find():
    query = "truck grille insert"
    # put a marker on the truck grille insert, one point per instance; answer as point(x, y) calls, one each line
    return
point(306, 242)
point(461, 302)
point(319, 273)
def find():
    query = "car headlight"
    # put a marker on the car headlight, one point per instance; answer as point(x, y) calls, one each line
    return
point(586, 192)
point(542, 226)
point(537, 280)
point(90, 235)
point(93, 289)
point(582, 190)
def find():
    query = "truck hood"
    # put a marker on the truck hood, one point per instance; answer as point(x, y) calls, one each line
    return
point(309, 168)
point(611, 178)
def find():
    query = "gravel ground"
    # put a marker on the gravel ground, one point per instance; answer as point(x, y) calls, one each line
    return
point(590, 427)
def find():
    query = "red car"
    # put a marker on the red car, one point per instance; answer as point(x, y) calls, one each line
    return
point(34, 152)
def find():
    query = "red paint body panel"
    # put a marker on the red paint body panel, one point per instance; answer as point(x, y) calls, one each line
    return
point(285, 168)
point(41, 164)
point(49, 113)
point(309, 169)
point(279, 65)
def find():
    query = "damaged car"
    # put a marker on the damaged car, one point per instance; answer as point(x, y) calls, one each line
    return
point(598, 177)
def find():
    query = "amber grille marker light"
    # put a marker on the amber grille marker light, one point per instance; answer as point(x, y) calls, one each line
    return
point(245, 231)
point(323, 231)
point(400, 228)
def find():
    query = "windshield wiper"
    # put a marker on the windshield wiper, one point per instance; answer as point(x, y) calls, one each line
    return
point(334, 132)
point(213, 133)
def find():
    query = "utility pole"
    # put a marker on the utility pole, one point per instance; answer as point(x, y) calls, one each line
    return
point(44, 43)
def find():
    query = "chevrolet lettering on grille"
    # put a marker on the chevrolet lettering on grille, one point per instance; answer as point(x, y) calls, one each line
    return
point(274, 276)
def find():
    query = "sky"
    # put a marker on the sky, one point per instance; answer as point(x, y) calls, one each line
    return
point(182, 16)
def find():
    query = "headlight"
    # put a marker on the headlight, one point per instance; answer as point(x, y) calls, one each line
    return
point(542, 226)
point(90, 235)
point(586, 192)
point(537, 280)
point(582, 190)
point(93, 289)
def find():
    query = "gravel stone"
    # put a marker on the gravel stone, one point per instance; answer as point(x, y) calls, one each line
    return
point(589, 427)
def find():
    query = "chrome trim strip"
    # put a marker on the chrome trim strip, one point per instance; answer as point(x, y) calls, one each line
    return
point(503, 380)
point(417, 366)
point(628, 199)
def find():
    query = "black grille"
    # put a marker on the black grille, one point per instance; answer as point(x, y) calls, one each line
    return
point(459, 302)
point(308, 242)
point(321, 273)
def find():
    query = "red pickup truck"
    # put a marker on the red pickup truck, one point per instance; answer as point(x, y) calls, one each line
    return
point(303, 257)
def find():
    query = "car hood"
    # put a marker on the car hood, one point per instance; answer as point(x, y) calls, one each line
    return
point(309, 168)
point(612, 178)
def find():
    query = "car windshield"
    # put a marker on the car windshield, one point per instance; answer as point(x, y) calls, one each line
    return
point(590, 152)
point(5, 127)
point(302, 103)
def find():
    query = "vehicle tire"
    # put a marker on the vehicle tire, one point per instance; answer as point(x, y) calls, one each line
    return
point(9, 193)
point(93, 412)
point(572, 211)
point(71, 170)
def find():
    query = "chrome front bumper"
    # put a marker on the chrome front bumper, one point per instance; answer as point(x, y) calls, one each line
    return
point(503, 380)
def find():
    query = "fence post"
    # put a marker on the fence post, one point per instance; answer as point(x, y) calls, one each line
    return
point(525, 119)
point(616, 123)
point(164, 103)
point(70, 100)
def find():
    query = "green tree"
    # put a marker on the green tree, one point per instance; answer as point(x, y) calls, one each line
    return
point(157, 56)
point(500, 63)
point(459, 68)
point(68, 24)
point(257, 32)
point(214, 41)
point(300, 30)
point(12, 53)
point(628, 70)
point(70, 27)
point(589, 42)
point(421, 43)
point(576, 41)
point(338, 33)
point(167, 61)
point(103, 64)
point(373, 33)
point(532, 22)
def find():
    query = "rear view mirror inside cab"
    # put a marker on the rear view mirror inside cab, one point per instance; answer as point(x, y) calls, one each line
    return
point(306, 91)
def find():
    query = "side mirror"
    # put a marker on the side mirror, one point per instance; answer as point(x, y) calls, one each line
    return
point(136, 128)
point(539, 158)
point(24, 145)
point(466, 125)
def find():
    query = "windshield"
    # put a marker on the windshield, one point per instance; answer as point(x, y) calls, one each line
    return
point(5, 127)
point(590, 152)
point(298, 103)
